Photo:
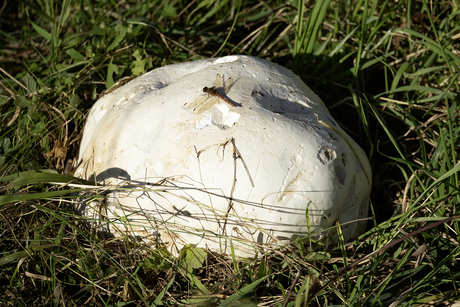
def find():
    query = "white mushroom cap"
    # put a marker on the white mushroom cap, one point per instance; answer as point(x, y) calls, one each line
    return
point(248, 172)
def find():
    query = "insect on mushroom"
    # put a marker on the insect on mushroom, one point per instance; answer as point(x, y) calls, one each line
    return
point(204, 103)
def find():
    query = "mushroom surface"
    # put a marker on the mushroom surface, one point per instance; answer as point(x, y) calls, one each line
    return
point(226, 150)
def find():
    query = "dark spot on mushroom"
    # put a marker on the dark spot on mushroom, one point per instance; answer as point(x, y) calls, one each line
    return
point(254, 92)
point(333, 136)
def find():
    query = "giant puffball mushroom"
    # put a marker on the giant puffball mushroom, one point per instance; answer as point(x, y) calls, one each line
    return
point(227, 152)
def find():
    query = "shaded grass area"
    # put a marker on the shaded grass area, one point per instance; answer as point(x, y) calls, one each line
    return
point(388, 71)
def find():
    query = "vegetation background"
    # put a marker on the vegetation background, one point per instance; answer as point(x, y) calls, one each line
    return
point(388, 71)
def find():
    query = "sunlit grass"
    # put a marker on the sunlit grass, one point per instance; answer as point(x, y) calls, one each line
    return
point(388, 70)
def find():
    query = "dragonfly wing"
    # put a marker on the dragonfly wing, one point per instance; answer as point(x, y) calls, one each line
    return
point(193, 104)
point(201, 104)
point(228, 85)
point(218, 82)
point(207, 104)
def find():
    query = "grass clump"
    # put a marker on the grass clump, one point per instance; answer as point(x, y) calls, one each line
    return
point(388, 70)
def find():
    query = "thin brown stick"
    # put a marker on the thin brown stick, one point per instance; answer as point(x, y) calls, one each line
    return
point(14, 79)
point(291, 288)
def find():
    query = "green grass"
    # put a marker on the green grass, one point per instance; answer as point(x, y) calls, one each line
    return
point(388, 70)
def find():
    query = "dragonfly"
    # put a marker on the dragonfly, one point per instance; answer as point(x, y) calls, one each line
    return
point(204, 103)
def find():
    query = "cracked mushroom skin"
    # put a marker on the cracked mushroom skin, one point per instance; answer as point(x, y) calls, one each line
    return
point(230, 149)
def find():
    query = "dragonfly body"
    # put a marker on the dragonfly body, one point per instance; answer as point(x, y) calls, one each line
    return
point(213, 92)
